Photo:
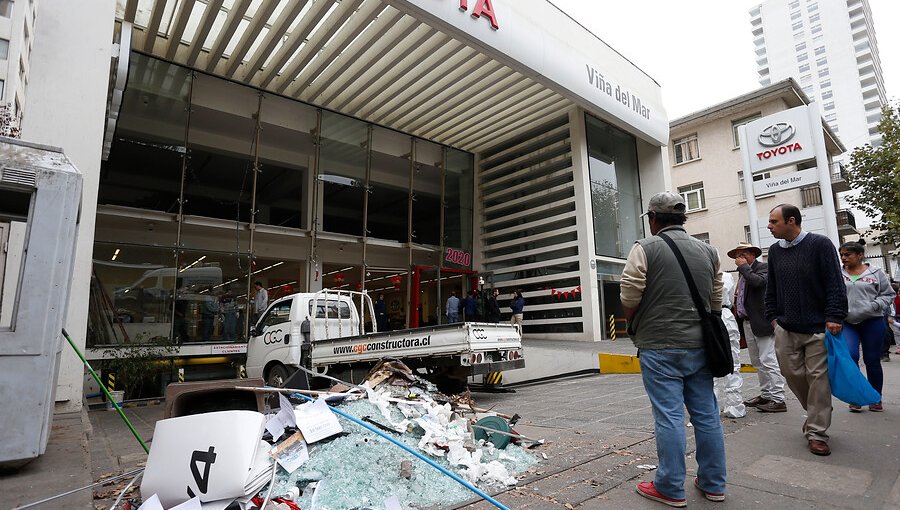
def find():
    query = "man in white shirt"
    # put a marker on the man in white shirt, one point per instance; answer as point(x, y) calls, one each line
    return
point(261, 302)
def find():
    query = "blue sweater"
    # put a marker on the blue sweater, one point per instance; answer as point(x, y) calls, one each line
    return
point(805, 287)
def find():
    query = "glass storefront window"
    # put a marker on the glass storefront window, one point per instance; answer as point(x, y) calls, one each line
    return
point(286, 155)
point(211, 297)
point(615, 189)
point(145, 161)
point(131, 294)
point(427, 193)
point(342, 173)
point(218, 180)
point(458, 200)
point(388, 216)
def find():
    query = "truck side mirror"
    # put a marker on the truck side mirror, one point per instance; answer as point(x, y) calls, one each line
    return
point(253, 331)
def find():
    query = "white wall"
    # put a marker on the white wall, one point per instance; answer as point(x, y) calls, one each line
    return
point(66, 107)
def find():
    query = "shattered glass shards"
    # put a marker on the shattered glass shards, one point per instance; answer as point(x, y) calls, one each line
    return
point(362, 469)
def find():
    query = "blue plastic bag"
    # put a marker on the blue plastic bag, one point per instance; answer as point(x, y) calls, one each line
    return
point(847, 381)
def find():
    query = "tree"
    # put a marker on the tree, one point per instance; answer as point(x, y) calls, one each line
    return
point(875, 173)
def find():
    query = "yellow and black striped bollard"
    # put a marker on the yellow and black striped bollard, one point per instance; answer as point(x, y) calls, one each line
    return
point(612, 327)
point(180, 375)
point(111, 381)
point(242, 372)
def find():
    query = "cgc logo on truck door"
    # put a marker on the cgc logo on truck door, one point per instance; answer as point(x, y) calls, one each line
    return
point(479, 333)
point(272, 337)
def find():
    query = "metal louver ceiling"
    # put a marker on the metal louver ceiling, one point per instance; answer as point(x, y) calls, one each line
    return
point(362, 58)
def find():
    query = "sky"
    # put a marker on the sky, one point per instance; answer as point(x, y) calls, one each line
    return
point(701, 51)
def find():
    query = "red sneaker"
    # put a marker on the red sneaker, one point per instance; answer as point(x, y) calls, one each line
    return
point(876, 408)
point(648, 490)
point(855, 408)
point(712, 496)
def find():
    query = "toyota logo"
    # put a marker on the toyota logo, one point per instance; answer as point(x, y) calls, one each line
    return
point(776, 134)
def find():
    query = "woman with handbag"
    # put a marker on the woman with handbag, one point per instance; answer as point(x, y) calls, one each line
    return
point(869, 296)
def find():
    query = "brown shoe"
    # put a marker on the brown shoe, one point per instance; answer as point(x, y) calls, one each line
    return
point(773, 407)
point(819, 447)
point(876, 408)
point(756, 401)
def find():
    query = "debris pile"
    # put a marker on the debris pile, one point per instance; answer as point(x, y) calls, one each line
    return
point(351, 456)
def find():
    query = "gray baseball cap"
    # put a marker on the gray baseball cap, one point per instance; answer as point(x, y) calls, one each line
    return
point(666, 202)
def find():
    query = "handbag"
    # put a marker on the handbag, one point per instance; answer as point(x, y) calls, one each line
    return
point(715, 336)
point(847, 382)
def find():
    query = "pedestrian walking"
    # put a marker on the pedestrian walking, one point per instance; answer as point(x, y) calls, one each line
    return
point(664, 325)
point(728, 388)
point(518, 310)
point(452, 308)
point(805, 295)
point(470, 308)
point(750, 309)
point(381, 316)
point(869, 298)
point(229, 308)
point(493, 307)
point(260, 302)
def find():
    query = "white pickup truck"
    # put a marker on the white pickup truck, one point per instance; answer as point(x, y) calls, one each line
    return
point(322, 331)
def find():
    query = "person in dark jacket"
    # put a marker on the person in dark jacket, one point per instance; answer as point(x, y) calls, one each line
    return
point(493, 307)
point(470, 308)
point(518, 307)
point(805, 296)
point(381, 316)
point(750, 309)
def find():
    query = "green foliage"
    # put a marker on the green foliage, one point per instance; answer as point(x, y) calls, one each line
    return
point(138, 364)
point(875, 173)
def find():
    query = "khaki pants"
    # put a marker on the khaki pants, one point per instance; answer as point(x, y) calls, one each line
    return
point(516, 320)
point(804, 363)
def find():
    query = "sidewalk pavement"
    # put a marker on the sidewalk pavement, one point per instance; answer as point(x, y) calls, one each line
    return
point(599, 432)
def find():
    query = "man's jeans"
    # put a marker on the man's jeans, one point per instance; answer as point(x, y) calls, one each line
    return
point(673, 379)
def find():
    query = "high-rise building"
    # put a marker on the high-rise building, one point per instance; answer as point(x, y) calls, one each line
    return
point(829, 47)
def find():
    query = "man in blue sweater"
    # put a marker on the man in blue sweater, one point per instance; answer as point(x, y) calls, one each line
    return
point(805, 295)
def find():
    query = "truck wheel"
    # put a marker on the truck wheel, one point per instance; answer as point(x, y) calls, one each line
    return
point(278, 375)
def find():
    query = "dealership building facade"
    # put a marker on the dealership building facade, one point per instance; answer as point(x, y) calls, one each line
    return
point(406, 148)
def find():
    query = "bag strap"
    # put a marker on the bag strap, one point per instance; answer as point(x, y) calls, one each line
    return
point(701, 309)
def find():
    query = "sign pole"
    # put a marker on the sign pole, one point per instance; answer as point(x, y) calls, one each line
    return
point(818, 139)
point(748, 186)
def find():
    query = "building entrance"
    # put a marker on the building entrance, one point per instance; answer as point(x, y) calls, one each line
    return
point(431, 287)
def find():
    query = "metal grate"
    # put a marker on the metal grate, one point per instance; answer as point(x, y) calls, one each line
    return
point(18, 176)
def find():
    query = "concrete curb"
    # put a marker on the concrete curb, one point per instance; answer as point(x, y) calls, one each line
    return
point(625, 364)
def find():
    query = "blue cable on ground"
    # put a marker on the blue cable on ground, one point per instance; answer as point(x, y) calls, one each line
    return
point(430, 462)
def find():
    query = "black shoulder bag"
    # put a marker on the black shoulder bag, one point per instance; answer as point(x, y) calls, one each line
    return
point(715, 336)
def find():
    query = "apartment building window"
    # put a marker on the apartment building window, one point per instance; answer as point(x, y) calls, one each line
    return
point(4, 49)
point(798, 36)
point(823, 72)
point(822, 62)
point(802, 57)
point(747, 233)
point(828, 106)
point(797, 26)
point(756, 177)
point(6, 8)
point(740, 122)
point(804, 68)
point(807, 90)
point(800, 47)
point(812, 7)
point(820, 50)
point(815, 29)
point(818, 38)
point(814, 18)
point(805, 79)
point(795, 15)
point(810, 197)
point(686, 149)
point(795, 4)
point(694, 196)
point(827, 94)
point(2, 88)
point(702, 237)
point(824, 84)
point(831, 117)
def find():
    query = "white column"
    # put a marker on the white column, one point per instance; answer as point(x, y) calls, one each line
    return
point(748, 186)
point(818, 139)
point(66, 107)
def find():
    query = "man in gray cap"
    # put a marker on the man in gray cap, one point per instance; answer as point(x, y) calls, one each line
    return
point(664, 324)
